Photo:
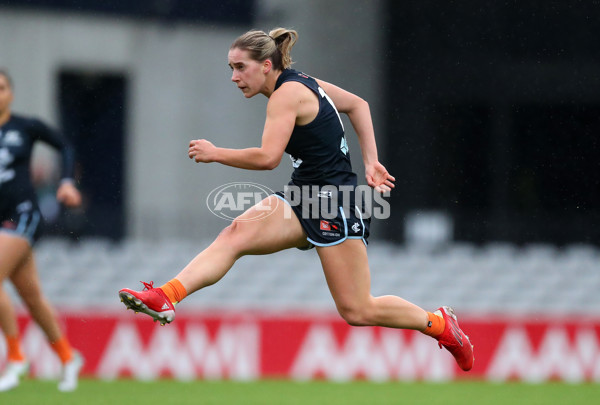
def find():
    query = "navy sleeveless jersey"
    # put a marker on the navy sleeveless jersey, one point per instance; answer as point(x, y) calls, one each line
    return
point(17, 137)
point(318, 149)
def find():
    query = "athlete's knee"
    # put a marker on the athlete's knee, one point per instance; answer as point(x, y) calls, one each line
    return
point(236, 236)
point(355, 315)
point(229, 234)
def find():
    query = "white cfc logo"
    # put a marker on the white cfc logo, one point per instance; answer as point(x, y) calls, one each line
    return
point(6, 158)
point(296, 162)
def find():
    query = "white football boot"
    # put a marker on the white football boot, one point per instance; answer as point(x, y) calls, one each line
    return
point(12, 374)
point(70, 373)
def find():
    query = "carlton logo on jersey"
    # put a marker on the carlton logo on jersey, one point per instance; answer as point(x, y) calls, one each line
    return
point(296, 162)
point(6, 158)
point(11, 138)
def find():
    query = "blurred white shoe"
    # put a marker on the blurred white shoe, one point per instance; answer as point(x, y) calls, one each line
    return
point(70, 373)
point(12, 374)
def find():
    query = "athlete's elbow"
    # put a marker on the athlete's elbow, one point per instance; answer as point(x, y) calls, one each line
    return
point(363, 104)
point(357, 105)
point(269, 163)
point(272, 164)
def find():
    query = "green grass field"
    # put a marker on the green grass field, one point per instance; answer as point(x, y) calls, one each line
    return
point(275, 392)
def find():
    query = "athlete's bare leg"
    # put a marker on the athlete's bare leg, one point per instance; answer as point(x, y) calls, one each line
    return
point(346, 269)
point(13, 252)
point(18, 265)
point(278, 231)
point(27, 283)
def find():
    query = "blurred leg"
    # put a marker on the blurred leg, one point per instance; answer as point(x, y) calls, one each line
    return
point(27, 283)
point(13, 252)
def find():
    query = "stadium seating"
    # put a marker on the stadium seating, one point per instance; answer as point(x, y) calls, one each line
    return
point(496, 278)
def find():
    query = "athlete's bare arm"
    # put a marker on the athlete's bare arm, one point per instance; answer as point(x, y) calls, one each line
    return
point(283, 109)
point(359, 114)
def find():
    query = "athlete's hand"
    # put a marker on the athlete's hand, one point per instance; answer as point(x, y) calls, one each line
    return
point(68, 194)
point(201, 150)
point(379, 178)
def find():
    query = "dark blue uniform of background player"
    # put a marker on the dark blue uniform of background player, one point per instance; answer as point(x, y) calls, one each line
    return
point(20, 221)
point(19, 211)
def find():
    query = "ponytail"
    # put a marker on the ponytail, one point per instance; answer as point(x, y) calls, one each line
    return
point(285, 40)
point(277, 46)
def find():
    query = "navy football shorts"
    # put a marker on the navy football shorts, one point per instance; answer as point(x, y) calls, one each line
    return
point(327, 220)
point(23, 220)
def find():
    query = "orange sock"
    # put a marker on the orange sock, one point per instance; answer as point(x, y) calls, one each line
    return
point(174, 290)
point(14, 349)
point(435, 325)
point(62, 348)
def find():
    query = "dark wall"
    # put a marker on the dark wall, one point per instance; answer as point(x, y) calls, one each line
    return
point(193, 11)
point(494, 117)
point(93, 115)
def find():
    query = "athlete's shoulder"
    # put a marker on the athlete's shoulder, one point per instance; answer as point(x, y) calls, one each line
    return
point(32, 126)
point(298, 74)
point(294, 75)
point(24, 121)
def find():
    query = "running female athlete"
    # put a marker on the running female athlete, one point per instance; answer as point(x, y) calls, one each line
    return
point(302, 120)
point(20, 227)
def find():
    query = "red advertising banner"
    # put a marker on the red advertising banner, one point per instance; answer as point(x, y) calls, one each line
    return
point(245, 346)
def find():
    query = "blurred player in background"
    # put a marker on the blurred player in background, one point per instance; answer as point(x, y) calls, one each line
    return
point(20, 227)
point(302, 120)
